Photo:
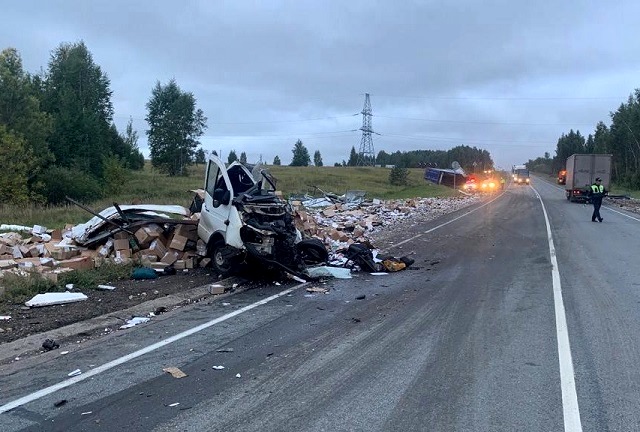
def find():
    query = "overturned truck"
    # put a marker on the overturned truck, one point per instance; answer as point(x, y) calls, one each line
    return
point(243, 219)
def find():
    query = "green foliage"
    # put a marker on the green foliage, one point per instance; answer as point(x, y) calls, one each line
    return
point(15, 163)
point(398, 176)
point(133, 157)
point(175, 124)
point(78, 97)
point(21, 288)
point(243, 157)
point(114, 174)
point(74, 183)
point(300, 155)
point(201, 157)
point(317, 159)
point(21, 114)
point(276, 160)
point(232, 157)
point(353, 157)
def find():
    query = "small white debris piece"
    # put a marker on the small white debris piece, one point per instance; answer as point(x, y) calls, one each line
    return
point(86, 413)
point(106, 287)
point(277, 283)
point(38, 229)
point(64, 352)
point(296, 278)
point(5, 317)
point(238, 376)
point(217, 367)
point(48, 299)
point(378, 274)
point(226, 304)
point(134, 322)
point(74, 373)
point(69, 287)
point(326, 271)
point(235, 285)
point(174, 404)
point(175, 372)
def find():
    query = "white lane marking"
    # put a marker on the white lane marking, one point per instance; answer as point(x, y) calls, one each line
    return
point(570, 408)
point(446, 223)
point(105, 367)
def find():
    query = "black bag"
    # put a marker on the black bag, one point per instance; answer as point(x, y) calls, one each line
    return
point(362, 256)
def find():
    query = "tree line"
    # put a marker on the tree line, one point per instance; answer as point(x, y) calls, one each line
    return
point(58, 138)
point(620, 139)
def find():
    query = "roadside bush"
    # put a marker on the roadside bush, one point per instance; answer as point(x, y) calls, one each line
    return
point(114, 174)
point(398, 176)
point(61, 182)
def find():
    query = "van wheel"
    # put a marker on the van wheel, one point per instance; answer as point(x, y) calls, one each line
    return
point(312, 251)
point(221, 260)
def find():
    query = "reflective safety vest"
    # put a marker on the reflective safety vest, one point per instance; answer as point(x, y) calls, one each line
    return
point(597, 188)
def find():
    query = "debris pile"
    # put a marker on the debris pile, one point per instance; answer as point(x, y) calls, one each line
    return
point(339, 225)
point(145, 234)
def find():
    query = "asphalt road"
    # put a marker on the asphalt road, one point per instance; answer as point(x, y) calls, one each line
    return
point(468, 339)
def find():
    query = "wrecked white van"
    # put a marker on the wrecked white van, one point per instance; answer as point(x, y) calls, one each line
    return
point(242, 218)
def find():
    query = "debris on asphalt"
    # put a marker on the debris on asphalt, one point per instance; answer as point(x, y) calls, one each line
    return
point(317, 290)
point(175, 372)
point(224, 350)
point(5, 317)
point(238, 376)
point(74, 373)
point(59, 403)
point(217, 367)
point(48, 299)
point(64, 352)
point(174, 404)
point(50, 344)
point(86, 413)
point(216, 289)
point(361, 297)
point(106, 287)
point(134, 322)
point(327, 271)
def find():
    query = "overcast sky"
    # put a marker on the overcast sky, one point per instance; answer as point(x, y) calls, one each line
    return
point(506, 76)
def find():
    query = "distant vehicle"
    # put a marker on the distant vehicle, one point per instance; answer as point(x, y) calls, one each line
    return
point(521, 176)
point(489, 185)
point(582, 170)
point(470, 185)
point(562, 177)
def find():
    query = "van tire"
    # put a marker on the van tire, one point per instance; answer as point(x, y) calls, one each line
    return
point(221, 261)
point(312, 251)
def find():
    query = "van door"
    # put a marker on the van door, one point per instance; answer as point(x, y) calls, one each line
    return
point(214, 216)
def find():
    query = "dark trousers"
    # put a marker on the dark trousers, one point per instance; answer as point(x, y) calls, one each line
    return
point(597, 203)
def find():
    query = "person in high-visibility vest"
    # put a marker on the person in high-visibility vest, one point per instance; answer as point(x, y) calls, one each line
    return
point(596, 193)
point(502, 181)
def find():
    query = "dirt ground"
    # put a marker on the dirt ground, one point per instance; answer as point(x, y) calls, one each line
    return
point(26, 321)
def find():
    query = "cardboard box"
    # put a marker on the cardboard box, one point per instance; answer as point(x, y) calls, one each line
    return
point(143, 237)
point(121, 244)
point(121, 235)
point(56, 235)
point(53, 275)
point(189, 231)
point(178, 242)
point(64, 253)
point(169, 257)
point(79, 263)
point(158, 265)
point(179, 265)
point(157, 248)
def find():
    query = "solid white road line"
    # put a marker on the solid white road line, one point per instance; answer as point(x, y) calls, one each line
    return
point(570, 408)
point(105, 367)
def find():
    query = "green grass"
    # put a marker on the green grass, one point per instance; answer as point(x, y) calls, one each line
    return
point(151, 187)
point(19, 289)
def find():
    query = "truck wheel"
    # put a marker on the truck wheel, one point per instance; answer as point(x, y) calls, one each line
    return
point(221, 261)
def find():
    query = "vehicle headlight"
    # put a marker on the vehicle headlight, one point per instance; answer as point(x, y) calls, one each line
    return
point(492, 185)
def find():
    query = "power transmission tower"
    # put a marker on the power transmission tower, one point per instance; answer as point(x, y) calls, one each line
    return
point(366, 155)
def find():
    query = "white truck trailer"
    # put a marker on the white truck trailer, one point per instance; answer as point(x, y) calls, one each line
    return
point(582, 170)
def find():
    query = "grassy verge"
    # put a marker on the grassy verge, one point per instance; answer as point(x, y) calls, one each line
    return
point(150, 187)
point(18, 289)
